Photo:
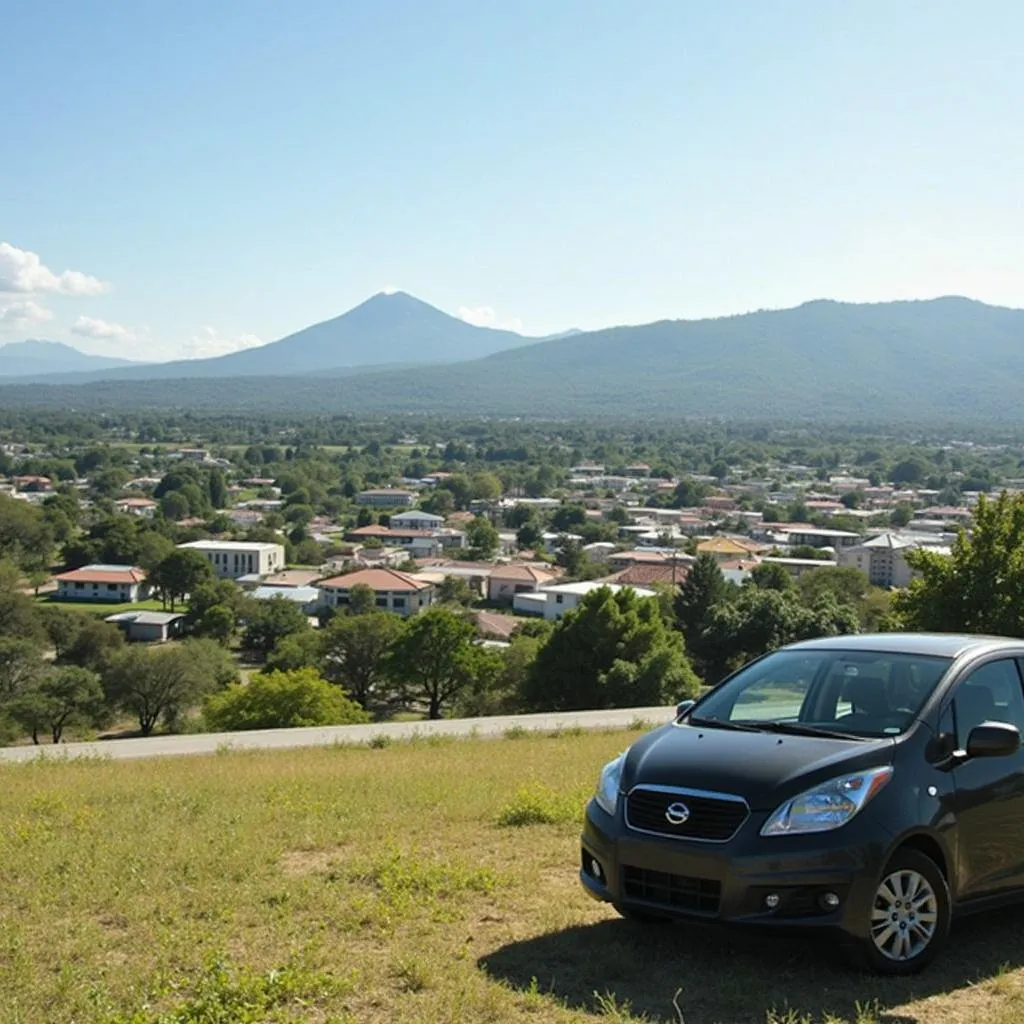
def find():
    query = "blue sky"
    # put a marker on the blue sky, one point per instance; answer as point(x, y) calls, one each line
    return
point(222, 171)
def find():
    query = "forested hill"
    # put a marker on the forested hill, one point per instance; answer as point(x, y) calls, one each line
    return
point(947, 359)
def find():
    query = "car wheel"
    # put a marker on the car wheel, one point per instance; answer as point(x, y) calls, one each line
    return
point(640, 916)
point(908, 920)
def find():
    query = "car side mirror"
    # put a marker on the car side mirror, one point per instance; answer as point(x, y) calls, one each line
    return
point(683, 706)
point(993, 739)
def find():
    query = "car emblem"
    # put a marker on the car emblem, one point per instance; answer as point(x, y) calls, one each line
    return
point(677, 814)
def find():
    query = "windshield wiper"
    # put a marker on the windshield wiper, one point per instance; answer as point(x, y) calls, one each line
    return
point(799, 729)
point(718, 723)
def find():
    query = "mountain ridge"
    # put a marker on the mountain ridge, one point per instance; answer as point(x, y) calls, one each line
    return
point(950, 358)
point(35, 356)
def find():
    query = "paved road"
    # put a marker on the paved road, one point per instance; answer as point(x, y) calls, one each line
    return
point(283, 739)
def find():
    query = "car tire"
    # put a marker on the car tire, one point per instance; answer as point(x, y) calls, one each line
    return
point(644, 917)
point(908, 917)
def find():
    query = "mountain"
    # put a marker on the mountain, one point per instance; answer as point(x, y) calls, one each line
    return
point(941, 360)
point(394, 329)
point(33, 357)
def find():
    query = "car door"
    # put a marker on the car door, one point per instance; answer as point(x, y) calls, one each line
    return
point(989, 791)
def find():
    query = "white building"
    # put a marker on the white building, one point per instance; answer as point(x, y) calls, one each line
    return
point(118, 584)
point(563, 597)
point(416, 519)
point(233, 558)
point(880, 559)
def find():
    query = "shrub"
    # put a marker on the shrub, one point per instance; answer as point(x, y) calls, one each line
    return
point(281, 700)
point(536, 804)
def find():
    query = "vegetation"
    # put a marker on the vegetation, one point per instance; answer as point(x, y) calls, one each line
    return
point(311, 886)
point(614, 650)
point(281, 700)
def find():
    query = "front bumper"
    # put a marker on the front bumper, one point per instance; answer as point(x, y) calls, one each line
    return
point(729, 882)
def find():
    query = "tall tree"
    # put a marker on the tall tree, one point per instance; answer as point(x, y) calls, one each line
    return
point(434, 658)
point(612, 650)
point(179, 574)
point(60, 697)
point(353, 651)
point(979, 586)
point(271, 621)
point(482, 536)
point(703, 588)
point(155, 682)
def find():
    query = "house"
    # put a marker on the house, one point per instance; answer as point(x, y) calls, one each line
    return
point(116, 584)
point(796, 567)
point(136, 506)
point(560, 598)
point(194, 454)
point(416, 519)
point(669, 574)
point(727, 549)
point(395, 591)
point(148, 627)
point(508, 580)
point(233, 558)
point(815, 537)
point(33, 484)
point(386, 497)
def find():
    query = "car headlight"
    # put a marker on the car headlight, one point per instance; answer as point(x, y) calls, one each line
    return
point(827, 806)
point(607, 795)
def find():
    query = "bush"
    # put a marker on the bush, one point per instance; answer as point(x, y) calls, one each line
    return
point(536, 804)
point(281, 700)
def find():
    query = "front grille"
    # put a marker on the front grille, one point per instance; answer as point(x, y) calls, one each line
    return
point(712, 818)
point(695, 895)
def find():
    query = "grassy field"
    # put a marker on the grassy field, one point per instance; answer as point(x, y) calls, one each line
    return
point(420, 882)
point(101, 609)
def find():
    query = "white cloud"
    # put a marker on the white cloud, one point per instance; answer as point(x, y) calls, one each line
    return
point(17, 316)
point(211, 342)
point(90, 327)
point(487, 316)
point(23, 272)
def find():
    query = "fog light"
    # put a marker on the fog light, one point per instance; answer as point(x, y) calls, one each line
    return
point(829, 900)
point(595, 870)
point(772, 900)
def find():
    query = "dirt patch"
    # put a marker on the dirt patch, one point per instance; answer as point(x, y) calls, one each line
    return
point(311, 862)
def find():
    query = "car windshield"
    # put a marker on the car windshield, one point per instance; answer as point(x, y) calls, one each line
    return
point(856, 693)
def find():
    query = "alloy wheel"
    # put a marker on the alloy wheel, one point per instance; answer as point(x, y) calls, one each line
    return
point(904, 916)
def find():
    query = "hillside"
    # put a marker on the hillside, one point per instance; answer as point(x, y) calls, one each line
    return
point(34, 357)
point(388, 329)
point(947, 359)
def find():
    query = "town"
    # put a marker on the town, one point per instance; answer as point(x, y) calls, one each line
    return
point(330, 569)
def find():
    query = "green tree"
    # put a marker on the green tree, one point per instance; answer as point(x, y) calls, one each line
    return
point(216, 623)
point(701, 591)
point(434, 658)
point(979, 586)
point(612, 650)
point(570, 555)
point(90, 644)
point(150, 682)
point(362, 600)
point(690, 493)
point(901, 515)
point(485, 486)
point(269, 622)
point(300, 650)
point(483, 537)
point(59, 698)
point(281, 700)
point(179, 574)
point(529, 535)
point(21, 664)
point(455, 590)
point(757, 621)
point(771, 576)
point(175, 506)
point(353, 654)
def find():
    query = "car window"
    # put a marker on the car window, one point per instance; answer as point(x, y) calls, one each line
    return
point(866, 693)
point(991, 693)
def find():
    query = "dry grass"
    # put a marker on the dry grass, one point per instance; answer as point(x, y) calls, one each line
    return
point(389, 885)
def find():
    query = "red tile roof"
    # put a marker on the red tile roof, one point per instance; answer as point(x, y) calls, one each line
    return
point(103, 574)
point(521, 572)
point(375, 579)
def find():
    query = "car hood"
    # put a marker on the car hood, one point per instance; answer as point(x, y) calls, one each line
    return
point(763, 768)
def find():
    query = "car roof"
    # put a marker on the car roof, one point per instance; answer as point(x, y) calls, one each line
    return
point(939, 645)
